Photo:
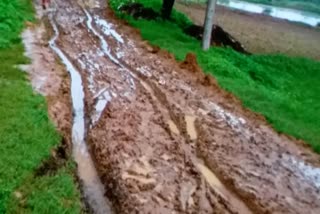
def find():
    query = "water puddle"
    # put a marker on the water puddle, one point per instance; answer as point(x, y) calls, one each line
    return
point(28, 41)
point(308, 172)
point(105, 47)
point(217, 185)
point(232, 120)
point(238, 124)
point(30, 37)
point(173, 127)
point(104, 44)
point(145, 71)
point(308, 18)
point(103, 98)
point(92, 186)
point(90, 3)
point(212, 179)
point(107, 29)
point(191, 130)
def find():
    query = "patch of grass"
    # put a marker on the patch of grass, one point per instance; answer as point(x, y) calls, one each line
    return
point(26, 134)
point(54, 194)
point(13, 13)
point(284, 89)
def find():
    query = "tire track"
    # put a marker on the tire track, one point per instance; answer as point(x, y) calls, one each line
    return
point(92, 187)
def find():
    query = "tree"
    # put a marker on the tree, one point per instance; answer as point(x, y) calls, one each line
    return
point(166, 10)
point(206, 40)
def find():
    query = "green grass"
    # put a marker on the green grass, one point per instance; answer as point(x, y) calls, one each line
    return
point(54, 194)
point(284, 89)
point(26, 134)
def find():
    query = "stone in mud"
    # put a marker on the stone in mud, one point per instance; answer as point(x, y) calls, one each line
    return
point(18, 194)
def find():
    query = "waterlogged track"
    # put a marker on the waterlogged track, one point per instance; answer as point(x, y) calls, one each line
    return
point(92, 188)
point(164, 137)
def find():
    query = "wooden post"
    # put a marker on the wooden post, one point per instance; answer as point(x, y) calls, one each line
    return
point(206, 40)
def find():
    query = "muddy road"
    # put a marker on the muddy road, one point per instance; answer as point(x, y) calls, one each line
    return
point(163, 137)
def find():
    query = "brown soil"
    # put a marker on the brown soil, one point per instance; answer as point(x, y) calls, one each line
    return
point(260, 33)
point(170, 140)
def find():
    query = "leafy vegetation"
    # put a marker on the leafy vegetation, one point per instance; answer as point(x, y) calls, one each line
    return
point(26, 134)
point(284, 89)
point(54, 194)
point(12, 17)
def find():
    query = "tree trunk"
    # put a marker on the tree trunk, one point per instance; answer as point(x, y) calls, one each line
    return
point(167, 6)
point(206, 40)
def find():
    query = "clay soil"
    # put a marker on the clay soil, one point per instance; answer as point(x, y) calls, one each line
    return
point(169, 140)
point(262, 34)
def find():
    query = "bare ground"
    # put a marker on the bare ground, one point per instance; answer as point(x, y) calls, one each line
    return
point(165, 138)
point(262, 34)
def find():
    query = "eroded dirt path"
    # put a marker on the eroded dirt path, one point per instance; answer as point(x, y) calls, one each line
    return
point(164, 137)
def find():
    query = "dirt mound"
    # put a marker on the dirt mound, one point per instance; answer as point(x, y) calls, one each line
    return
point(219, 37)
point(190, 63)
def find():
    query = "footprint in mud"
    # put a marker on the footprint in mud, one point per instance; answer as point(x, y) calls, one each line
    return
point(140, 172)
point(173, 127)
point(191, 129)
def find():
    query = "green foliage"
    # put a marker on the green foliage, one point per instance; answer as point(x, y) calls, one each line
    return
point(26, 134)
point(13, 13)
point(285, 90)
point(52, 194)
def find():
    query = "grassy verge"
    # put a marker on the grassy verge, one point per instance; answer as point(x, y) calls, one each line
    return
point(285, 90)
point(26, 134)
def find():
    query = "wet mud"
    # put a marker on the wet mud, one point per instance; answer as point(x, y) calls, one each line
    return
point(165, 138)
